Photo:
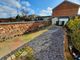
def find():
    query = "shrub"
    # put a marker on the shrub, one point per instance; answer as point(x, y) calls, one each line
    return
point(74, 26)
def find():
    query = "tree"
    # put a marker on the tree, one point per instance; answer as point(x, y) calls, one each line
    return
point(18, 18)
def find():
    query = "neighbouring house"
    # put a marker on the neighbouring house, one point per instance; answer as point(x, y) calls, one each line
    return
point(43, 18)
point(7, 19)
point(64, 11)
point(32, 17)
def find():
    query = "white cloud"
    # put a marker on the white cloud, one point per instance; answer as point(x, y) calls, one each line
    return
point(46, 12)
point(25, 3)
point(6, 11)
point(14, 3)
point(30, 11)
point(6, 15)
point(27, 10)
point(10, 8)
point(26, 7)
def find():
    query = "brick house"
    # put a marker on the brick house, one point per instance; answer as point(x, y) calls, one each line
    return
point(63, 11)
point(43, 18)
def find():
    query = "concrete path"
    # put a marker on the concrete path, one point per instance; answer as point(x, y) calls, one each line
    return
point(49, 45)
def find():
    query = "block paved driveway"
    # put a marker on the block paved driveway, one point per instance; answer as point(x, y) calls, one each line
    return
point(49, 45)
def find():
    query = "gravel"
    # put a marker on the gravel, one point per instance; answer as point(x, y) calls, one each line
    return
point(49, 45)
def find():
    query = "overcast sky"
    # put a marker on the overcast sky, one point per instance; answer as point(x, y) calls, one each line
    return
point(10, 8)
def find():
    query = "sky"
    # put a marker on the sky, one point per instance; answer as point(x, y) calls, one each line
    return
point(10, 8)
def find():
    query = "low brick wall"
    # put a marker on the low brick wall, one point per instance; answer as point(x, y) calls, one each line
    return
point(10, 30)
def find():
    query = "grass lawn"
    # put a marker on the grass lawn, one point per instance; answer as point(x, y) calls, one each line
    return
point(31, 36)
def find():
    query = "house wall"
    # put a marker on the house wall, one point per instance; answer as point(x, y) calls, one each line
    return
point(65, 9)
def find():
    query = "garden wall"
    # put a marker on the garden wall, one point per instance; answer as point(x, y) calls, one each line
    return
point(13, 29)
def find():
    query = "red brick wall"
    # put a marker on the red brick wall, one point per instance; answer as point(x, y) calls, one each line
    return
point(66, 9)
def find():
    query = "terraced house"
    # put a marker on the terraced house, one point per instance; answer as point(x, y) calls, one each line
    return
point(64, 11)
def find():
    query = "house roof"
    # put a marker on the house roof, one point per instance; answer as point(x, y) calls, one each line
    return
point(43, 16)
point(68, 2)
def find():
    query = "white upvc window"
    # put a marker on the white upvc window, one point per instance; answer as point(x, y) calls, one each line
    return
point(79, 11)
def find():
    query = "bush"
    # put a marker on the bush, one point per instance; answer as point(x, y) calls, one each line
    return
point(74, 26)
